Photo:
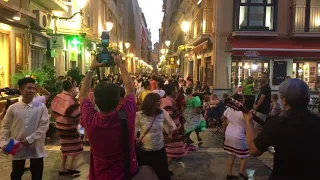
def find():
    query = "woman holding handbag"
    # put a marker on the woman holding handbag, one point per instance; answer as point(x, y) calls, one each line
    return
point(150, 149)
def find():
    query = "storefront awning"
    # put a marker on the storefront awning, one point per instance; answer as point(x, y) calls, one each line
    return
point(201, 47)
point(286, 48)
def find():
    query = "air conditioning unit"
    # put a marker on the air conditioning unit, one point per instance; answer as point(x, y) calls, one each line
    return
point(43, 19)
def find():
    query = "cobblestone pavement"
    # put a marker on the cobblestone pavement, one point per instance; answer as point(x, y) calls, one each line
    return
point(207, 163)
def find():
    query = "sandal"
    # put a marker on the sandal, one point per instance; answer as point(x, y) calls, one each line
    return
point(64, 173)
point(73, 171)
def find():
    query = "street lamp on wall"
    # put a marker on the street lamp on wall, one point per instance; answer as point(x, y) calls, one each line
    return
point(167, 43)
point(127, 45)
point(163, 51)
point(185, 26)
point(109, 26)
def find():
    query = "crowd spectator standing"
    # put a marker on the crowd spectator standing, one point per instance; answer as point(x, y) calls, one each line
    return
point(262, 104)
point(107, 157)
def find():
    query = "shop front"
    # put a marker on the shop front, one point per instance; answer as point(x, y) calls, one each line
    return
point(279, 58)
point(203, 64)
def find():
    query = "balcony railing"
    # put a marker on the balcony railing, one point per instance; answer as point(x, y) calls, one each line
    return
point(301, 22)
point(202, 24)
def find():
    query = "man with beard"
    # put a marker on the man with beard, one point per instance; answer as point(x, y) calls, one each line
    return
point(262, 105)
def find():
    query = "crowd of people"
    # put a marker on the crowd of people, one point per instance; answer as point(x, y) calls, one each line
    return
point(135, 122)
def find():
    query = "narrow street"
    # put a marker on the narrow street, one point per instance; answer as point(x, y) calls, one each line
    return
point(208, 163)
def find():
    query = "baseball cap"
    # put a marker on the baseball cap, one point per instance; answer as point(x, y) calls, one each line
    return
point(294, 89)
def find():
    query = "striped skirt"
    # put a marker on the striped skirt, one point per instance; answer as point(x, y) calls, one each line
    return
point(236, 146)
point(176, 148)
point(71, 144)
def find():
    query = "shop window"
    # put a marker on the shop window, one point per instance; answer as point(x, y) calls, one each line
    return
point(255, 15)
point(37, 56)
point(241, 70)
point(308, 72)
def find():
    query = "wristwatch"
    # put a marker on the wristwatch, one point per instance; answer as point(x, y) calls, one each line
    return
point(90, 70)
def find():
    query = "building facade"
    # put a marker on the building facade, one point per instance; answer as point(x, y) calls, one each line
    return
point(63, 33)
point(228, 41)
point(14, 39)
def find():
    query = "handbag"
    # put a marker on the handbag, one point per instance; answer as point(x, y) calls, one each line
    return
point(144, 172)
point(139, 142)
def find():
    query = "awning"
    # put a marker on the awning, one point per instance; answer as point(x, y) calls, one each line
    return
point(201, 47)
point(285, 48)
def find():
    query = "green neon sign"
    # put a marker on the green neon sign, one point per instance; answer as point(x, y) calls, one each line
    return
point(75, 42)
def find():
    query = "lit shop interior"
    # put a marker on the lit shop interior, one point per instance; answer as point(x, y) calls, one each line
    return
point(240, 70)
point(308, 71)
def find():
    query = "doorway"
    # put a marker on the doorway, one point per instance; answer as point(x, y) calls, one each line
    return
point(4, 60)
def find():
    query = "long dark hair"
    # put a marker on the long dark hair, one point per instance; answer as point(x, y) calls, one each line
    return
point(149, 102)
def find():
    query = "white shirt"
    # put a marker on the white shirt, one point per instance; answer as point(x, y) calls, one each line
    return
point(41, 99)
point(160, 92)
point(26, 121)
point(236, 126)
point(154, 139)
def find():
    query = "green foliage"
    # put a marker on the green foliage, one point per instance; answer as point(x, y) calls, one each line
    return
point(38, 74)
point(45, 76)
point(75, 74)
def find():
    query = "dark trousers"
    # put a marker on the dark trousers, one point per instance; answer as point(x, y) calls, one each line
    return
point(36, 168)
point(157, 160)
point(249, 101)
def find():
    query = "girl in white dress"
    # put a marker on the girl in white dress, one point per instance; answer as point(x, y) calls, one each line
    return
point(235, 138)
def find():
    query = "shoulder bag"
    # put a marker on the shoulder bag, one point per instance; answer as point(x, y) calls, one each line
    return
point(139, 142)
point(144, 172)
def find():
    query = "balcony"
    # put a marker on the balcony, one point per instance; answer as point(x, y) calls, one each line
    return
point(201, 27)
point(305, 22)
point(54, 5)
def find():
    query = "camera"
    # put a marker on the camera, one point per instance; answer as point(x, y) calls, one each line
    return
point(105, 56)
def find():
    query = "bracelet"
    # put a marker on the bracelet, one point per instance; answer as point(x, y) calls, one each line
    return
point(90, 70)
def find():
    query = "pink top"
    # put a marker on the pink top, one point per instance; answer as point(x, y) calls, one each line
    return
point(105, 136)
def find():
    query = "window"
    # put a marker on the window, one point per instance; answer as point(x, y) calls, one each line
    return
point(37, 57)
point(255, 15)
point(241, 69)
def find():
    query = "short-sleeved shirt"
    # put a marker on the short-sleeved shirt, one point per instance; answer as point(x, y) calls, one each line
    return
point(105, 136)
point(264, 108)
point(144, 94)
point(295, 139)
point(236, 126)
point(153, 85)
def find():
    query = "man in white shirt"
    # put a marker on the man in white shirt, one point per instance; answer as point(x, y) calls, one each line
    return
point(42, 95)
point(26, 121)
